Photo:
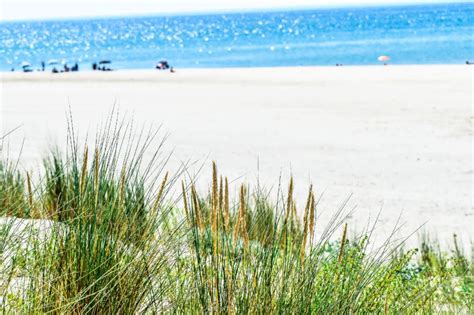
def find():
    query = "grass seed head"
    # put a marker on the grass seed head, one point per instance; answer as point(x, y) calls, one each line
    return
point(343, 243)
point(214, 199)
point(196, 207)
point(289, 201)
point(306, 223)
point(226, 205)
point(160, 193)
point(312, 216)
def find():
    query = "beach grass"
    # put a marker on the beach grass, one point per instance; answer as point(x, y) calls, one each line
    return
point(102, 229)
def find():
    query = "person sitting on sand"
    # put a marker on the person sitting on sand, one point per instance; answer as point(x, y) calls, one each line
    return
point(162, 65)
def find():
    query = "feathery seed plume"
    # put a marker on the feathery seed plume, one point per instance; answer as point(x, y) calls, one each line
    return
point(226, 205)
point(196, 207)
point(160, 193)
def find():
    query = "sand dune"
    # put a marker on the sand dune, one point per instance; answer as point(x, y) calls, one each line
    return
point(397, 136)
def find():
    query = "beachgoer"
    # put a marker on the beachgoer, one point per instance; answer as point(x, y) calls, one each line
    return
point(94, 66)
point(42, 65)
point(162, 65)
point(172, 70)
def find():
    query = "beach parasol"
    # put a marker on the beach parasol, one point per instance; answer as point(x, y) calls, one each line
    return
point(104, 62)
point(383, 58)
point(53, 62)
point(25, 64)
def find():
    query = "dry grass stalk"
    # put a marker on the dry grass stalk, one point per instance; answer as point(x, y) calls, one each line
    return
point(221, 196)
point(96, 175)
point(312, 217)
point(229, 281)
point(215, 209)
point(240, 229)
point(160, 193)
point(236, 228)
point(294, 217)
point(243, 216)
point(214, 199)
point(197, 210)
point(226, 205)
point(289, 201)
point(289, 209)
point(122, 186)
point(306, 223)
point(84, 169)
point(30, 192)
point(343, 242)
point(185, 200)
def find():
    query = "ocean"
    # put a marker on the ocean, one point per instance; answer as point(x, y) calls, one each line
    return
point(415, 34)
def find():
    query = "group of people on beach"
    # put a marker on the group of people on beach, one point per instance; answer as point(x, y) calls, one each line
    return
point(101, 66)
point(96, 66)
point(164, 65)
point(66, 68)
point(26, 67)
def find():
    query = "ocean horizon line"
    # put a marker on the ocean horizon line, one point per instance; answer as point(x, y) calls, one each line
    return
point(239, 11)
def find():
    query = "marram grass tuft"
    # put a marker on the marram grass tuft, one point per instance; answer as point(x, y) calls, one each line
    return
point(98, 231)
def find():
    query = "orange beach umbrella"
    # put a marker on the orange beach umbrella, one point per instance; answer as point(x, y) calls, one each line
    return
point(383, 58)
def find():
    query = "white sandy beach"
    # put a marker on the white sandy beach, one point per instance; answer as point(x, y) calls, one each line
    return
point(397, 136)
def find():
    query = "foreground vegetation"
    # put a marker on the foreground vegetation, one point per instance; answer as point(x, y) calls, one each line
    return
point(102, 231)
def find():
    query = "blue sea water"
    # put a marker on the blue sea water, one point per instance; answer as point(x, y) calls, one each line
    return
point(416, 34)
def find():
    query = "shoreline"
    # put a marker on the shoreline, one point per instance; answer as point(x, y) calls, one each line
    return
point(379, 64)
point(153, 74)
